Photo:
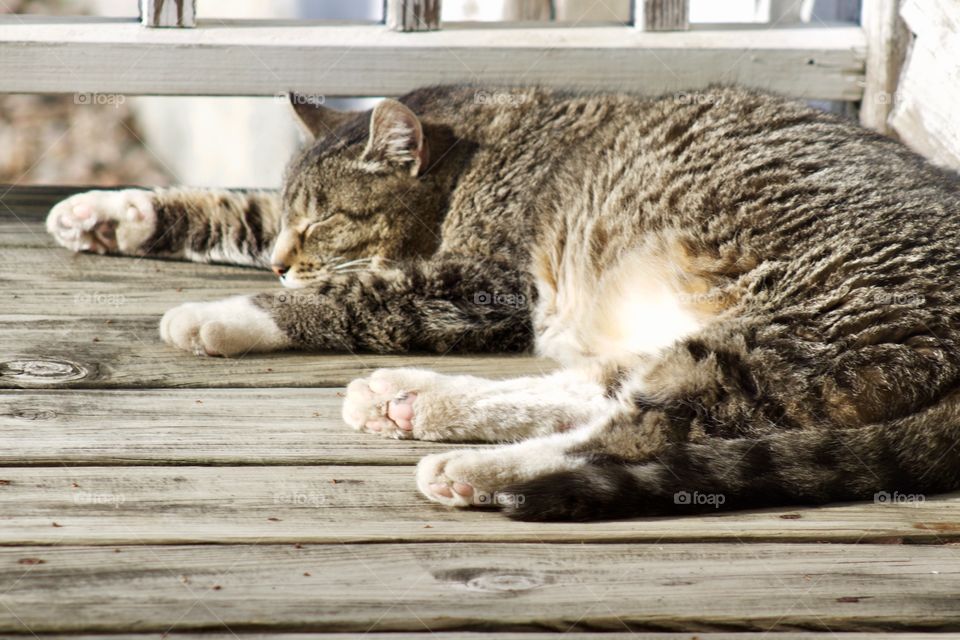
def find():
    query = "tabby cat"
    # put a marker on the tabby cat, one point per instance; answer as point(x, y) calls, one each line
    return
point(754, 302)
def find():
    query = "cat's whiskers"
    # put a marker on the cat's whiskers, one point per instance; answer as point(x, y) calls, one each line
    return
point(365, 262)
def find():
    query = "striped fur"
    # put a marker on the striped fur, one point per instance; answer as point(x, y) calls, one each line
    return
point(234, 227)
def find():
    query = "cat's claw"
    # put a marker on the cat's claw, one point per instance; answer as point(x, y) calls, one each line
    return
point(104, 221)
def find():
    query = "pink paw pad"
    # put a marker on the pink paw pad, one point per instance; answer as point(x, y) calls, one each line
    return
point(445, 490)
point(82, 211)
point(400, 410)
point(463, 489)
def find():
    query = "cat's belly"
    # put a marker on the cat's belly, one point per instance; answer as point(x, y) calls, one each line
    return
point(634, 308)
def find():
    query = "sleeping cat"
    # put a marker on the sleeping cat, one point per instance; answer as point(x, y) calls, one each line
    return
point(754, 303)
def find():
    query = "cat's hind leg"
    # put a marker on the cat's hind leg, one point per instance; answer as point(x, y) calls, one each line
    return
point(487, 477)
point(424, 405)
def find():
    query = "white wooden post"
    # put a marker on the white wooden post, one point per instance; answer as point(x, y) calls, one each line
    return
point(924, 113)
point(887, 39)
point(661, 15)
point(413, 15)
point(168, 13)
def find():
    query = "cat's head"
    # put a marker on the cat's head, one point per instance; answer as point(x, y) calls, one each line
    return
point(355, 194)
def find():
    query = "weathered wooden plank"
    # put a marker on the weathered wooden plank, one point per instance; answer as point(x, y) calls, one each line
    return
point(47, 281)
point(250, 58)
point(499, 635)
point(219, 427)
point(887, 40)
point(168, 13)
point(417, 587)
point(325, 504)
point(413, 15)
point(22, 233)
point(69, 352)
point(661, 15)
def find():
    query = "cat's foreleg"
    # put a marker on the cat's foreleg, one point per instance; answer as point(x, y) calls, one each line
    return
point(455, 304)
point(201, 225)
point(425, 405)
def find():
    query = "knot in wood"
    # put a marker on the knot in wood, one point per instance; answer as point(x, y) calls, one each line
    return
point(494, 580)
point(33, 414)
point(506, 582)
point(41, 372)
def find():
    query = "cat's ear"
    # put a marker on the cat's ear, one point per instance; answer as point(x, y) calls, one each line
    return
point(396, 137)
point(314, 119)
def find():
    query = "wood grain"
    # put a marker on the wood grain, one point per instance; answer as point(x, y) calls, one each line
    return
point(86, 353)
point(413, 587)
point(333, 504)
point(251, 58)
point(190, 427)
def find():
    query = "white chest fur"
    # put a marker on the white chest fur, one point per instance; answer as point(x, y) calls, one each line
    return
point(633, 308)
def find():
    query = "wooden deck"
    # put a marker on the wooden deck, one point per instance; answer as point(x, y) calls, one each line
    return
point(145, 491)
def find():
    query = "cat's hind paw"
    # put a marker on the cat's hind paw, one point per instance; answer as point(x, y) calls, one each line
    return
point(104, 221)
point(230, 327)
point(464, 478)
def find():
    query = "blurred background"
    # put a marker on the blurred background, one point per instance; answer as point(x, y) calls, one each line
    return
point(245, 142)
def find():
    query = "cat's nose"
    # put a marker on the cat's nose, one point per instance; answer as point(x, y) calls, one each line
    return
point(279, 268)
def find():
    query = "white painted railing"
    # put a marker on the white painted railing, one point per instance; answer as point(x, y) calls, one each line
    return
point(654, 52)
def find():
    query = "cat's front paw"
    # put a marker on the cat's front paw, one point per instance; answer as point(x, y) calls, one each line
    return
point(388, 403)
point(104, 221)
point(230, 327)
